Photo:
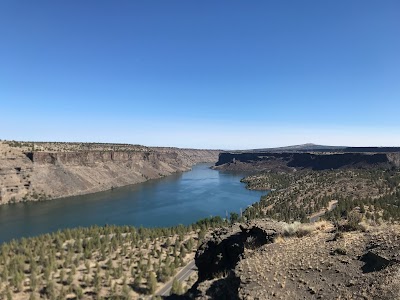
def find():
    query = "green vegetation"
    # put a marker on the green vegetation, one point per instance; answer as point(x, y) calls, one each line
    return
point(269, 181)
point(177, 287)
point(122, 262)
point(66, 147)
point(375, 194)
point(109, 262)
point(16, 144)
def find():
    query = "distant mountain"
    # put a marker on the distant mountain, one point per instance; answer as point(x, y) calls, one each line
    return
point(303, 147)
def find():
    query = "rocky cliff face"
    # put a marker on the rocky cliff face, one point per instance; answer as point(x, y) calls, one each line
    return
point(220, 253)
point(48, 175)
point(181, 157)
point(191, 156)
point(314, 161)
point(93, 158)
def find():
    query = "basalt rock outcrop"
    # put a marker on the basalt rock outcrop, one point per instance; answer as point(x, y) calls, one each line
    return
point(356, 265)
point(180, 157)
point(220, 252)
point(306, 160)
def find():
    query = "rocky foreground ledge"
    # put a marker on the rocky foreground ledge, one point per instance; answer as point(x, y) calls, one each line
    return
point(265, 259)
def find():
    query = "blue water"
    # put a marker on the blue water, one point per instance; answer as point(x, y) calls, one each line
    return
point(181, 198)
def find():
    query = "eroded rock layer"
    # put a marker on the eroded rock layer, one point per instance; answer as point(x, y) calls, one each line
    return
point(41, 175)
point(310, 160)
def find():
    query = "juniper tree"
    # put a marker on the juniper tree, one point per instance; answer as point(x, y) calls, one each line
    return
point(151, 283)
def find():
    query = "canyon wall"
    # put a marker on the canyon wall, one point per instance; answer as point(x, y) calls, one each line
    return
point(315, 161)
point(32, 176)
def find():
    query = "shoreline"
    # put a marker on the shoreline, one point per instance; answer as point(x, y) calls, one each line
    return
point(27, 175)
point(135, 205)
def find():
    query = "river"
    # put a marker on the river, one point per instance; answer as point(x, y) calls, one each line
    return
point(181, 198)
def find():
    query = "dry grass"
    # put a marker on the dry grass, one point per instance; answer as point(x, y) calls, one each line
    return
point(279, 239)
point(298, 229)
point(318, 266)
point(322, 225)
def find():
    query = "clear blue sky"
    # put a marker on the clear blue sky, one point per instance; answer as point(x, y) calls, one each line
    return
point(207, 74)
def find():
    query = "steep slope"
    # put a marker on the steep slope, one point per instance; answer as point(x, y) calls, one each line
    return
point(39, 175)
point(311, 160)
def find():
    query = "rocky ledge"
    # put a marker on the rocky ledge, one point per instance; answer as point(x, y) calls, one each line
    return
point(271, 260)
